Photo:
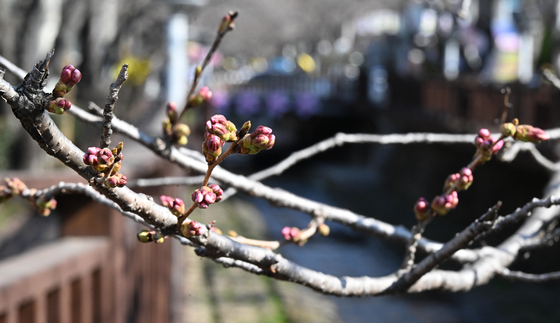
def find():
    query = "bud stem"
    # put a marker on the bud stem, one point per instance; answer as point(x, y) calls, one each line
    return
point(185, 215)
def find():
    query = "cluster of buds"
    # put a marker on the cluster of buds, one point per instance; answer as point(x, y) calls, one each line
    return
point(11, 187)
point(175, 205)
point(177, 132)
point(59, 106)
point(105, 160)
point(204, 94)
point(291, 234)
point(68, 78)
point(442, 204)
point(191, 229)
point(207, 195)
point(146, 236)
point(421, 209)
point(44, 207)
point(260, 139)
point(486, 144)
point(116, 180)
point(227, 22)
point(524, 132)
point(459, 181)
point(219, 126)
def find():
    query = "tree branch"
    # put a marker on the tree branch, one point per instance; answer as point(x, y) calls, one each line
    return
point(110, 106)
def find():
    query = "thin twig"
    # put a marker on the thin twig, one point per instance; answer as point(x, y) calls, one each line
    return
point(529, 278)
point(110, 105)
point(207, 58)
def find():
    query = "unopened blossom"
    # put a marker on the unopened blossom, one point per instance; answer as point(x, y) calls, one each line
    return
point(180, 132)
point(212, 147)
point(290, 234)
point(45, 207)
point(444, 203)
point(323, 229)
point(260, 139)
point(15, 185)
point(191, 229)
point(158, 237)
point(421, 208)
point(217, 190)
point(171, 111)
point(68, 78)
point(529, 133)
point(227, 22)
point(204, 94)
point(144, 236)
point(116, 180)
point(207, 195)
point(99, 159)
point(465, 179)
point(59, 106)
point(220, 126)
point(450, 181)
point(508, 129)
point(175, 205)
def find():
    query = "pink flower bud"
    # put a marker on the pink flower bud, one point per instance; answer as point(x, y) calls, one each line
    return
point(204, 94)
point(59, 106)
point(45, 207)
point(421, 208)
point(290, 234)
point(260, 139)
point(450, 181)
point(171, 110)
point(212, 147)
point(191, 228)
point(484, 133)
point(497, 146)
point(217, 190)
point(15, 185)
point(117, 180)
point(218, 125)
point(68, 78)
point(444, 203)
point(205, 196)
point(529, 133)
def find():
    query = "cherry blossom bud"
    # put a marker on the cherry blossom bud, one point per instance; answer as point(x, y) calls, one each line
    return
point(421, 208)
point(245, 129)
point(260, 139)
point(15, 185)
point(508, 129)
point(158, 237)
point(444, 203)
point(171, 110)
point(217, 190)
point(497, 146)
point(197, 71)
point(59, 106)
point(68, 78)
point(44, 207)
point(144, 236)
point(290, 234)
point(204, 94)
point(180, 133)
point(218, 125)
point(175, 205)
point(205, 196)
point(118, 149)
point(227, 22)
point(116, 180)
point(212, 147)
point(323, 229)
point(450, 181)
point(484, 133)
point(532, 134)
point(100, 159)
point(465, 180)
point(191, 228)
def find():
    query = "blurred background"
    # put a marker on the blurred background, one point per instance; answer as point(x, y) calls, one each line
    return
point(308, 69)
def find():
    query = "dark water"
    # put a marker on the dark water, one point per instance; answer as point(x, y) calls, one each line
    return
point(385, 184)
